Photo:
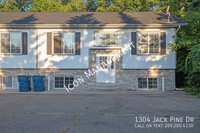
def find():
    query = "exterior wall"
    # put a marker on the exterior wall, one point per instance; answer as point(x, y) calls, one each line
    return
point(167, 61)
point(128, 78)
point(37, 56)
point(62, 61)
point(21, 61)
point(128, 67)
point(125, 79)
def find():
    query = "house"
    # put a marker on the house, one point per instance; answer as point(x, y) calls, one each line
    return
point(65, 47)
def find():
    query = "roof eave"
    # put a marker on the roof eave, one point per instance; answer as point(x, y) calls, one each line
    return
point(88, 26)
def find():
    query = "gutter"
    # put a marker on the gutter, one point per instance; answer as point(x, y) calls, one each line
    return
point(88, 26)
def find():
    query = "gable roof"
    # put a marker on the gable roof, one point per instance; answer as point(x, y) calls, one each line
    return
point(88, 19)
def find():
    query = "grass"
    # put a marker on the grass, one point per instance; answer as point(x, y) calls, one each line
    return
point(167, 116)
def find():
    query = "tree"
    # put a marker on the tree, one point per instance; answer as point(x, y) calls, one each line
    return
point(188, 44)
point(8, 6)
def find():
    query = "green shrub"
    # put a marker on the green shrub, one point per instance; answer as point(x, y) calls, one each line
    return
point(193, 91)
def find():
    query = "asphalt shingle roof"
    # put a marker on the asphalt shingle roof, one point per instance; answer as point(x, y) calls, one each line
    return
point(87, 18)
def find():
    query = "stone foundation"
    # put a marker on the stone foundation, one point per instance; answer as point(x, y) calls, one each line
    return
point(125, 79)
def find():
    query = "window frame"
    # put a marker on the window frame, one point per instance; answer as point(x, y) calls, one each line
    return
point(148, 32)
point(10, 43)
point(63, 81)
point(13, 87)
point(62, 42)
point(106, 32)
point(156, 83)
point(148, 83)
point(112, 57)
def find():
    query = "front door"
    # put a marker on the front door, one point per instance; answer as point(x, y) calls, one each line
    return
point(107, 72)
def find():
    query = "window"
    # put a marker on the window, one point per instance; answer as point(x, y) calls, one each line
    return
point(64, 43)
point(69, 82)
point(103, 59)
point(105, 39)
point(68, 43)
point(61, 82)
point(11, 42)
point(147, 83)
point(148, 43)
point(142, 82)
point(10, 82)
point(152, 83)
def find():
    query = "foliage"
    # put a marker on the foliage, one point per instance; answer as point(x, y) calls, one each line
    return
point(193, 91)
point(188, 46)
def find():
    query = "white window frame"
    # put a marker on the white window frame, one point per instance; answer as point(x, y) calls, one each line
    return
point(148, 84)
point(108, 56)
point(12, 83)
point(10, 42)
point(138, 38)
point(62, 47)
point(106, 32)
point(63, 81)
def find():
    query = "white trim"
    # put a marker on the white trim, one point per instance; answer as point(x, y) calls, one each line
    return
point(148, 32)
point(109, 69)
point(49, 80)
point(148, 84)
point(163, 84)
point(99, 47)
point(108, 32)
point(87, 26)
point(73, 44)
point(4, 88)
point(62, 40)
point(63, 82)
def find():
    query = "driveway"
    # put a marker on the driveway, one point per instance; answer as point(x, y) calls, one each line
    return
point(99, 112)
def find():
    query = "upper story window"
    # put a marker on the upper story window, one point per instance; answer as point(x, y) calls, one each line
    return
point(105, 39)
point(11, 42)
point(64, 43)
point(148, 43)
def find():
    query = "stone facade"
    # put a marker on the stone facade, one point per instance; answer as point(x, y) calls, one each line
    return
point(125, 79)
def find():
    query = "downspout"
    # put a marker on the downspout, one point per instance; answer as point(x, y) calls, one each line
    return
point(179, 26)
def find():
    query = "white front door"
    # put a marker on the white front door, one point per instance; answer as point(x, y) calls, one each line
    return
point(107, 72)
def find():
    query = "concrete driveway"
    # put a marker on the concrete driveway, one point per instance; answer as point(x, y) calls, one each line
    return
point(99, 112)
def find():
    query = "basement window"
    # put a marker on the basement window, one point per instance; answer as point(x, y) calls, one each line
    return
point(61, 82)
point(142, 83)
point(10, 82)
point(148, 83)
